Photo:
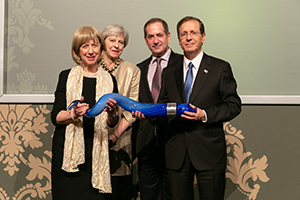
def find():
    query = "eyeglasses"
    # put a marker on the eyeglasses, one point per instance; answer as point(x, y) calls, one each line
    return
point(192, 34)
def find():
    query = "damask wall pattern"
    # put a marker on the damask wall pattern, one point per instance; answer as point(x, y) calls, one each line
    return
point(26, 130)
point(22, 16)
point(25, 152)
point(245, 172)
point(39, 34)
point(25, 155)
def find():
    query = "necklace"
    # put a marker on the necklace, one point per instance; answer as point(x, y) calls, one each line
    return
point(113, 68)
point(89, 75)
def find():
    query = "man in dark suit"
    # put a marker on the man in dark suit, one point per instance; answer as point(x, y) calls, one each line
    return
point(153, 180)
point(196, 141)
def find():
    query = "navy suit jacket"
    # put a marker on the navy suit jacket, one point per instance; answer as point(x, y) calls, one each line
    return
point(146, 129)
point(214, 91)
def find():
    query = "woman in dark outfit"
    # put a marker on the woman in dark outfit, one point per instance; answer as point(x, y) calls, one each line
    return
point(80, 162)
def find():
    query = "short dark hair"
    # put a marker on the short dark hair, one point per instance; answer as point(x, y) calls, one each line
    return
point(188, 18)
point(154, 20)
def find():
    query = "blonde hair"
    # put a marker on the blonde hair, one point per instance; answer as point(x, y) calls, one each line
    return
point(83, 35)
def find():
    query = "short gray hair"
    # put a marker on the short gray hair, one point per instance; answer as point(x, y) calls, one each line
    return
point(116, 29)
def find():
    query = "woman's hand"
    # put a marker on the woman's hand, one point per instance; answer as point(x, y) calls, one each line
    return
point(68, 116)
point(112, 114)
point(80, 109)
point(112, 139)
point(111, 107)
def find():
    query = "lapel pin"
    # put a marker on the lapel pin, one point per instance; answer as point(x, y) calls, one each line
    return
point(205, 71)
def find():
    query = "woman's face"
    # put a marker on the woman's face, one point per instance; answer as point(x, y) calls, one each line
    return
point(114, 46)
point(90, 52)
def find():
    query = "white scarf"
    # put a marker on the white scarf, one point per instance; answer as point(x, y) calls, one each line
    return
point(74, 149)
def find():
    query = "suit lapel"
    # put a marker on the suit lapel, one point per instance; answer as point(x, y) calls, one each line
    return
point(171, 59)
point(144, 86)
point(202, 74)
point(178, 74)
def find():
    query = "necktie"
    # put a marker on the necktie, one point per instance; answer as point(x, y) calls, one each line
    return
point(156, 81)
point(188, 82)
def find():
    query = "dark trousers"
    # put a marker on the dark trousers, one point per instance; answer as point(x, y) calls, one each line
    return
point(122, 188)
point(153, 177)
point(211, 183)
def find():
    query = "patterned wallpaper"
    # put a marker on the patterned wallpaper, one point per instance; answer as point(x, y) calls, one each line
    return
point(25, 155)
point(23, 20)
point(26, 130)
point(25, 152)
point(39, 34)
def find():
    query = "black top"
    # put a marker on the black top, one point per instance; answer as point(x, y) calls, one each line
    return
point(74, 185)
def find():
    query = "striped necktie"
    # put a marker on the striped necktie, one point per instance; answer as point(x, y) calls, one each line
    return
point(156, 81)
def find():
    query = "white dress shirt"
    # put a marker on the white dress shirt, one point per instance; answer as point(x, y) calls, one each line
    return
point(196, 62)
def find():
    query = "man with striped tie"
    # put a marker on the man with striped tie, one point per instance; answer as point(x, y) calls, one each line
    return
point(149, 144)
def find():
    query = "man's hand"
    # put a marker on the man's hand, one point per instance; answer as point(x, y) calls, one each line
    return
point(198, 116)
point(138, 115)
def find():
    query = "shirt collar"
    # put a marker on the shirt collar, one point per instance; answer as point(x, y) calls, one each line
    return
point(165, 57)
point(196, 61)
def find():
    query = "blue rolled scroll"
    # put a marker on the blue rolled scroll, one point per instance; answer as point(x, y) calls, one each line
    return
point(149, 110)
